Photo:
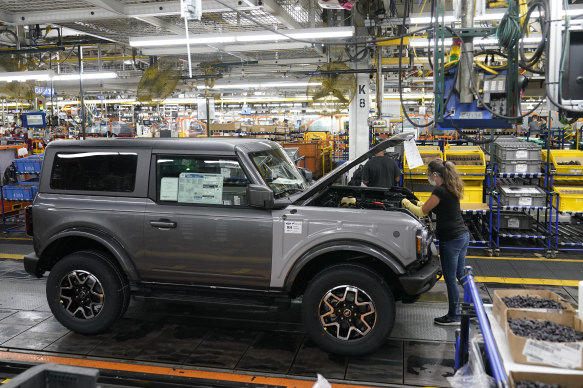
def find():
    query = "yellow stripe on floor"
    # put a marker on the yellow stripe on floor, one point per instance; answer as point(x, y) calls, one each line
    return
point(168, 371)
point(525, 259)
point(540, 282)
point(11, 256)
point(17, 238)
point(543, 282)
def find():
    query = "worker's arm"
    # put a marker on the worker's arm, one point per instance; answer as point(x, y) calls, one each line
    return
point(424, 209)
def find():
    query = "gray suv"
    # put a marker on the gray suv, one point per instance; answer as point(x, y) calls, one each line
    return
point(223, 221)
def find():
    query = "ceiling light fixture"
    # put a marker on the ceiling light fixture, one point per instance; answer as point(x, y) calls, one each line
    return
point(262, 85)
point(21, 76)
point(253, 36)
point(85, 76)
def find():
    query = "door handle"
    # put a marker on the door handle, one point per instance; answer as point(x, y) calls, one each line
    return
point(163, 224)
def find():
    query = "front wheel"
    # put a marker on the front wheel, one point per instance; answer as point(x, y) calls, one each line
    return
point(86, 292)
point(348, 309)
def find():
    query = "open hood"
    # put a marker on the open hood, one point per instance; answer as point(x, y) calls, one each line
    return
point(331, 177)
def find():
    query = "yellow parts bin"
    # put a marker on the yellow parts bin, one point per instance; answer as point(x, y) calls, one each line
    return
point(566, 162)
point(428, 153)
point(467, 160)
point(570, 198)
point(473, 193)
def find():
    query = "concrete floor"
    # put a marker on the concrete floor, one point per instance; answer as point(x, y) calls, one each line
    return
point(236, 339)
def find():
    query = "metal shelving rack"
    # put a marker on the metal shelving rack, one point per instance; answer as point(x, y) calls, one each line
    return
point(542, 230)
point(567, 238)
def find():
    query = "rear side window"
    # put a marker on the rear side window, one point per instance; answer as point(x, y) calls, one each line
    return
point(95, 171)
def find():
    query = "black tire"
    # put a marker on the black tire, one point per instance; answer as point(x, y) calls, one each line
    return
point(86, 292)
point(374, 317)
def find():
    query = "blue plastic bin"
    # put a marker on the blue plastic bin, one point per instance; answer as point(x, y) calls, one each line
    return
point(30, 165)
point(20, 191)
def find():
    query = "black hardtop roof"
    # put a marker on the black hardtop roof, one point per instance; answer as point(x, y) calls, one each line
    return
point(227, 144)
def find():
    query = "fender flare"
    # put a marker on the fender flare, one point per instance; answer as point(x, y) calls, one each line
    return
point(351, 245)
point(109, 242)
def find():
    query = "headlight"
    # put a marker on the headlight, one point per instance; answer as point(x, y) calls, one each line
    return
point(421, 243)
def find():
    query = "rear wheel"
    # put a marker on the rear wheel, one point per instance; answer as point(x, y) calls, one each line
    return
point(86, 292)
point(348, 309)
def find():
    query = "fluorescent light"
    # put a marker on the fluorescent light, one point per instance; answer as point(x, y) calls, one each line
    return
point(422, 42)
point(42, 75)
point(85, 76)
point(252, 36)
point(263, 85)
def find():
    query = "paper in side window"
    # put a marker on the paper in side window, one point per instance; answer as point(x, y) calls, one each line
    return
point(169, 189)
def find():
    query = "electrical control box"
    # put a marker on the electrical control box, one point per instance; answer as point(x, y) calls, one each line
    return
point(34, 119)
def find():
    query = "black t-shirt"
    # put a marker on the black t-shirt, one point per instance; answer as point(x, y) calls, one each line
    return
point(450, 223)
point(381, 171)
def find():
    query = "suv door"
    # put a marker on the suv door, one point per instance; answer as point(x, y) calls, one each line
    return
point(198, 228)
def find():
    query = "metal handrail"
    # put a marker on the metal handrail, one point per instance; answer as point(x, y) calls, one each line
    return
point(471, 295)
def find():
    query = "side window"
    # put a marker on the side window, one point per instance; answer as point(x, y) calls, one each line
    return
point(95, 171)
point(211, 181)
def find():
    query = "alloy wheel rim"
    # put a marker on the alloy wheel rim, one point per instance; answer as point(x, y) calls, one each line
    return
point(347, 313)
point(81, 294)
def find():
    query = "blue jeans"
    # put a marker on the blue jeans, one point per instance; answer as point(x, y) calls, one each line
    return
point(452, 254)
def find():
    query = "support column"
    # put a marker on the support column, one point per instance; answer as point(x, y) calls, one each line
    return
point(358, 131)
point(465, 89)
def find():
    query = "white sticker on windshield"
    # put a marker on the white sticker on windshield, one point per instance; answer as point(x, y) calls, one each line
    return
point(169, 189)
point(412, 154)
point(285, 181)
point(293, 227)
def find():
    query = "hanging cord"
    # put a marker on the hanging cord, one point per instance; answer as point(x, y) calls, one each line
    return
point(403, 108)
point(311, 42)
point(562, 61)
point(508, 31)
point(526, 63)
point(475, 88)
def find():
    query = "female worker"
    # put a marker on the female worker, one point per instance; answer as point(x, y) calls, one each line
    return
point(451, 231)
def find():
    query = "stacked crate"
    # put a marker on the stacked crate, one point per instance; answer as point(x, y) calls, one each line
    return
point(515, 156)
point(568, 178)
point(471, 164)
point(518, 158)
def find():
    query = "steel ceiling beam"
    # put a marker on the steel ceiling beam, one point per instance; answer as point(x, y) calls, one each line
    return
point(272, 7)
point(110, 5)
point(162, 24)
point(228, 48)
point(111, 12)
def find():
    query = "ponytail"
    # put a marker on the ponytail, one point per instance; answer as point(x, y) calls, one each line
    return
point(450, 176)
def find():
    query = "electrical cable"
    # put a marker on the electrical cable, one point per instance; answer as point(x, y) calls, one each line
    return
point(312, 42)
point(475, 89)
point(508, 31)
point(549, 95)
point(525, 63)
point(403, 108)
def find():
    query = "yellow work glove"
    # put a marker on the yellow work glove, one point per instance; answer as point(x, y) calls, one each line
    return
point(412, 208)
point(419, 203)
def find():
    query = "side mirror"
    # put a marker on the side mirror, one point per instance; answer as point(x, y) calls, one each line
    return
point(307, 174)
point(260, 196)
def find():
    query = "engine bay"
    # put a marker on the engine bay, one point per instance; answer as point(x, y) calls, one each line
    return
point(363, 197)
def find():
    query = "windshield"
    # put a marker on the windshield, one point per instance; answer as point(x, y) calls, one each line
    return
point(278, 172)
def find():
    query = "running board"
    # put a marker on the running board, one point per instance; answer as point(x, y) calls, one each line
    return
point(251, 299)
